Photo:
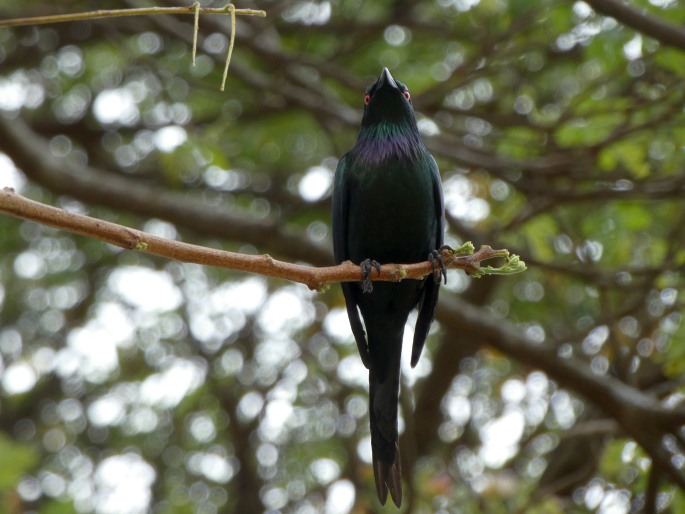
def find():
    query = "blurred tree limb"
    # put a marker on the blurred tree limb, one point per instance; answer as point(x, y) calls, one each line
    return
point(93, 185)
point(639, 414)
point(315, 278)
point(661, 30)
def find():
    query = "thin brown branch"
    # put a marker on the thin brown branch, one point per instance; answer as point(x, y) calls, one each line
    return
point(113, 13)
point(315, 278)
point(30, 152)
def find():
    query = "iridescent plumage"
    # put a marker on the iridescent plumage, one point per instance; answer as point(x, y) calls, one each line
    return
point(387, 207)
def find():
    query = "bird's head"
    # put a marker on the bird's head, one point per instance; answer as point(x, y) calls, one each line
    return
point(387, 100)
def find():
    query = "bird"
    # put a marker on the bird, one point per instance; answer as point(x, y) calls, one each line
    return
point(387, 207)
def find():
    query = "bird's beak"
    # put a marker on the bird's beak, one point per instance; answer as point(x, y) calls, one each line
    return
point(386, 80)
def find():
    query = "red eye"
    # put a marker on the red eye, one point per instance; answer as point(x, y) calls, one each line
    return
point(367, 99)
point(407, 96)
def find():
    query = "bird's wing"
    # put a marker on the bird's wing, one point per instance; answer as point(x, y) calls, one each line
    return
point(340, 223)
point(439, 202)
point(341, 204)
point(429, 299)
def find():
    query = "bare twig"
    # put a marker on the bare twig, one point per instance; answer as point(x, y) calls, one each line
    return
point(196, 28)
point(194, 9)
point(314, 277)
point(231, 9)
point(142, 11)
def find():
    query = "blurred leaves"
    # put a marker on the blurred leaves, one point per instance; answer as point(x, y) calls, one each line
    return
point(18, 460)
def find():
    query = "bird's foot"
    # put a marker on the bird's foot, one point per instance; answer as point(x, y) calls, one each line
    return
point(366, 266)
point(439, 271)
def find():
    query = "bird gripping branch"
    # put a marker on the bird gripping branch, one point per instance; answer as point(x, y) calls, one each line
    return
point(387, 207)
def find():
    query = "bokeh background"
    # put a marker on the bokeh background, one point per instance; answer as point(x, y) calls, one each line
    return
point(130, 383)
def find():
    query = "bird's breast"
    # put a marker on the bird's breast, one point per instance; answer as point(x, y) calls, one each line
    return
point(392, 214)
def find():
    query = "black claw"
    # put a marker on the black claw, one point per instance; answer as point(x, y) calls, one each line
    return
point(366, 266)
point(434, 256)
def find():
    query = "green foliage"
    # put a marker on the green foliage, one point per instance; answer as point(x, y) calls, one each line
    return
point(18, 459)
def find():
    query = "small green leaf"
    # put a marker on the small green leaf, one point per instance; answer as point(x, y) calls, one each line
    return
point(513, 265)
point(466, 249)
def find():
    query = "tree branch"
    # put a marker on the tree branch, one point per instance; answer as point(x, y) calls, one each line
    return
point(315, 278)
point(661, 30)
point(640, 414)
point(30, 152)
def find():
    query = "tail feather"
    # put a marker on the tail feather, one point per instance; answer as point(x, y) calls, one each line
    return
point(388, 478)
point(384, 388)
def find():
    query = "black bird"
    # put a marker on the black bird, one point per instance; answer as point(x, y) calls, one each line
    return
point(387, 208)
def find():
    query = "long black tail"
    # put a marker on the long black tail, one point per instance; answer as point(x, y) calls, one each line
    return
point(384, 388)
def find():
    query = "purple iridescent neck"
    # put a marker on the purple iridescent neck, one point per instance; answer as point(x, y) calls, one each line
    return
point(383, 141)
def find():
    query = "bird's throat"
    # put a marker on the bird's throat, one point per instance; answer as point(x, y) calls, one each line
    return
point(384, 141)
